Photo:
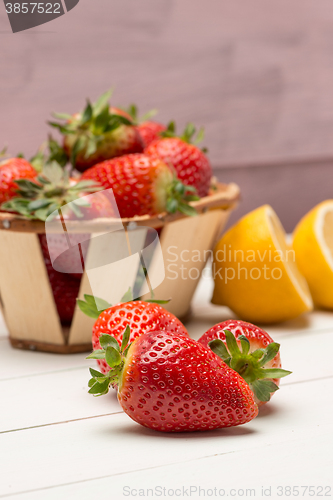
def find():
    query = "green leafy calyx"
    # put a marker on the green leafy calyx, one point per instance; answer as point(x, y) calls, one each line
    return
point(132, 110)
point(89, 127)
point(94, 306)
point(52, 190)
point(49, 152)
point(115, 357)
point(178, 197)
point(190, 134)
point(250, 365)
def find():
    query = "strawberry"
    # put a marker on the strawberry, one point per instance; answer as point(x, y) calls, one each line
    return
point(138, 315)
point(65, 287)
point(190, 163)
point(66, 259)
point(10, 170)
point(54, 189)
point(149, 130)
point(97, 134)
point(171, 383)
point(251, 352)
point(142, 185)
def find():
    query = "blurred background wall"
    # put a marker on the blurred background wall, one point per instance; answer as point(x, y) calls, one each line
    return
point(257, 74)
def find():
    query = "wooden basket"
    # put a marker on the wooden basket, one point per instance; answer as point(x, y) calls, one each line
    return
point(26, 296)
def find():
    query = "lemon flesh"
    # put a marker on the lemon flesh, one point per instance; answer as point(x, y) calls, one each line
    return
point(255, 272)
point(313, 246)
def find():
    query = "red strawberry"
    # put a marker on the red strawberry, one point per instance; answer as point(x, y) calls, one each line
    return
point(11, 169)
point(65, 287)
point(258, 360)
point(98, 133)
point(171, 383)
point(69, 260)
point(142, 185)
point(150, 131)
point(140, 316)
point(190, 163)
point(53, 190)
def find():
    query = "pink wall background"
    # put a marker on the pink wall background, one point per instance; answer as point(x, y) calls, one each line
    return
point(258, 75)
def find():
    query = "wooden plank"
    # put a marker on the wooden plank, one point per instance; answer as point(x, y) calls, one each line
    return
point(268, 98)
point(292, 189)
point(26, 293)
point(183, 245)
point(32, 363)
point(62, 453)
point(268, 94)
point(287, 466)
point(68, 400)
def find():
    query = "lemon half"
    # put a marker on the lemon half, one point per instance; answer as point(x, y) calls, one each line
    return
point(255, 272)
point(313, 245)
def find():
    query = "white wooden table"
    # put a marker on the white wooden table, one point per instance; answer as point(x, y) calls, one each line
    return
point(57, 441)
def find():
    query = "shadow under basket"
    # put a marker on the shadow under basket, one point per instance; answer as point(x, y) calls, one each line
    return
point(26, 298)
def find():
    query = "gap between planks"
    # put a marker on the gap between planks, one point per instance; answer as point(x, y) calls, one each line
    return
point(61, 422)
point(45, 488)
point(70, 369)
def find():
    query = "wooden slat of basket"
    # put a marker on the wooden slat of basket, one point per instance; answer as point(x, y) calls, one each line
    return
point(226, 197)
point(27, 298)
point(192, 233)
point(81, 327)
point(109, 282)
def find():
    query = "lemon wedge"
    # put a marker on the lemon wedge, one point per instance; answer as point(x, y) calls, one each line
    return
point(255, 272)
point(313, 246)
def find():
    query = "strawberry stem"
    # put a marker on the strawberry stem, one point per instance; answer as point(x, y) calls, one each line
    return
point(90, 126)
point(189, 135)
point(51, 191)
point(178, 197)
point(250, 364)
point(94, 306)
point(132, 110)
point(115, 357)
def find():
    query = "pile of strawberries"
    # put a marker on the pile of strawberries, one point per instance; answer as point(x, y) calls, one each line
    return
point(148, 167)
point(164, 379)
point(169, 382)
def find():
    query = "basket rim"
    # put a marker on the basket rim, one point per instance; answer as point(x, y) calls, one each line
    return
point(225, 197)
